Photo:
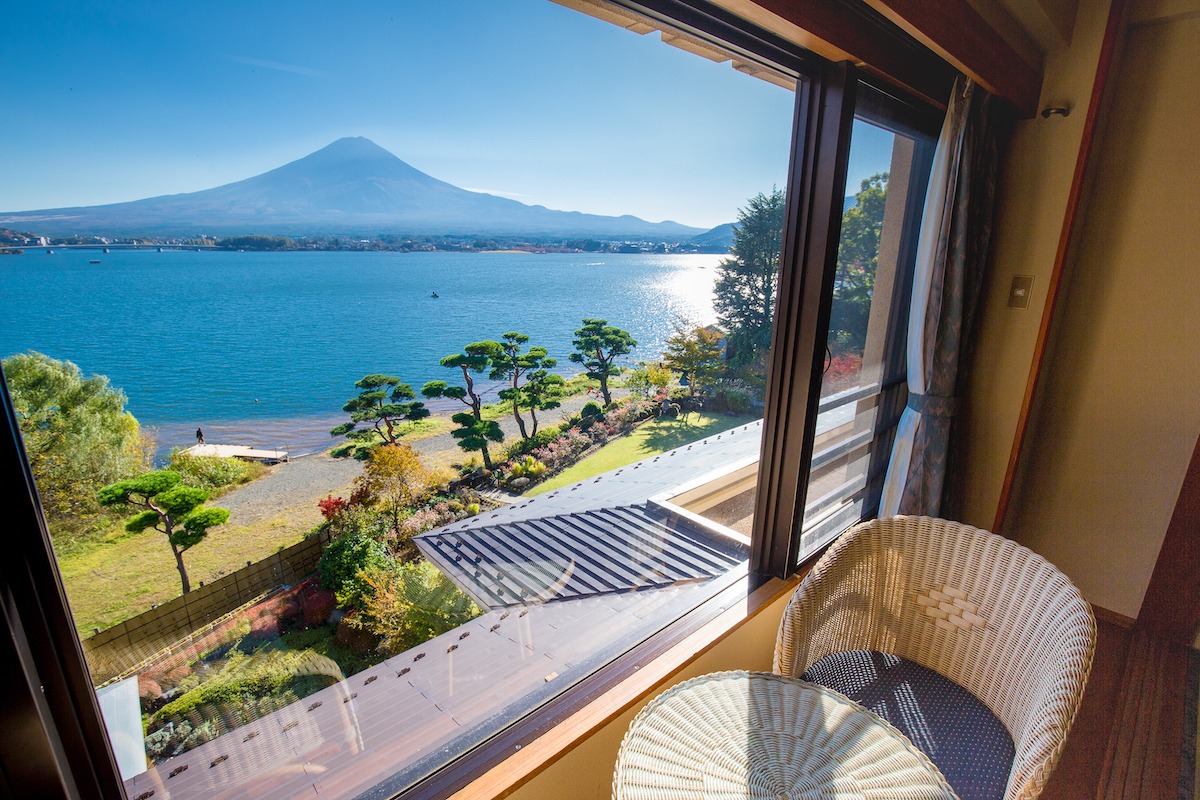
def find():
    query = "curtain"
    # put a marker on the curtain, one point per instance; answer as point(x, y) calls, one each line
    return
point(951, 259)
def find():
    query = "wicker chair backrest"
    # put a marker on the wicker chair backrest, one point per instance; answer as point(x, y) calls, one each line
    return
point(992, 616)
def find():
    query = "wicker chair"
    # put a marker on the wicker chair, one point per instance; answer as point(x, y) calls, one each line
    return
point(990, 615)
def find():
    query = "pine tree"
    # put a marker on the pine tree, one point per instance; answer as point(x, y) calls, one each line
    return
point(597, 347)
point(473, 431)
point(746, 281)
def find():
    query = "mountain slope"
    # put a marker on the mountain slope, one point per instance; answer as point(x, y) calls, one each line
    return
point(351, 186)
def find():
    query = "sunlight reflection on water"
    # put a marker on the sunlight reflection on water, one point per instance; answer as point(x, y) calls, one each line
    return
point(264, 348)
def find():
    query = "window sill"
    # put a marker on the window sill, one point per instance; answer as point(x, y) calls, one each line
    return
point(517, 755)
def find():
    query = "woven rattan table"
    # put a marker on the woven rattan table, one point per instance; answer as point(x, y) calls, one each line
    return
point(768, 737)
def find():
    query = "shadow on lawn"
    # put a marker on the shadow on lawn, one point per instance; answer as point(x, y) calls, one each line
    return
point(667, 434)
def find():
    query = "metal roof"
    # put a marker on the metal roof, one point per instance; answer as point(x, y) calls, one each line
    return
point(375, 732)
point(565, 556)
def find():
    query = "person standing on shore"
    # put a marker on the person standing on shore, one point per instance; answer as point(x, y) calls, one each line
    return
point(199, 435)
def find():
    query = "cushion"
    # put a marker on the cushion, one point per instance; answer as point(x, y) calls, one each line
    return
point(954, 728)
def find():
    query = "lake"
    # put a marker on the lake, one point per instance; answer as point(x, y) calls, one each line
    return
point(264, 348)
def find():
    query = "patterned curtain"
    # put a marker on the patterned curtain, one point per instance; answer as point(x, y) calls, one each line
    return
point(951, 260)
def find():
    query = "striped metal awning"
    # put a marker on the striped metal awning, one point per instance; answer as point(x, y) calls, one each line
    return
point(580, 554)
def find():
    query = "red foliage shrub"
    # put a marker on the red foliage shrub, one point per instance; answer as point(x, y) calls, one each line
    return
point(842, 373)
point(177, 674)
point(148, 689)
point(332, 506)
point(316, 605)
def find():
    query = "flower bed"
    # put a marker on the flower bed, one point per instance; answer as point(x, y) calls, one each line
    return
point(586, 432)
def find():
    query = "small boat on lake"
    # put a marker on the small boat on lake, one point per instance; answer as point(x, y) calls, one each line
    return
point(94, 261)
point(433, 294)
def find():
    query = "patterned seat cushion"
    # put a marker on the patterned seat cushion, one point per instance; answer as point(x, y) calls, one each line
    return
point(959, 733)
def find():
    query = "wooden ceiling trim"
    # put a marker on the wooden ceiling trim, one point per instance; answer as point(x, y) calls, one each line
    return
point(850, 30)
point(958, 33)
point(913, 43)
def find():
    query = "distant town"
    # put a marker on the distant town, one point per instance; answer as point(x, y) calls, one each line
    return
point(16, 241)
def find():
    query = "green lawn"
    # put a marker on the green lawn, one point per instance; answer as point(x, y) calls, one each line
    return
point(115, 577)
point(652, 438)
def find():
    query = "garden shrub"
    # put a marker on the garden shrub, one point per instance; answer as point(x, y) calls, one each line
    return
point(528, 467)
point(213, 472)
point(563, 451)
point(410, 604)
point(305, 639)
point(360, 519)
point(841, 373)
point(730, 398)
point(592, 409)
point(264, 628)
point(343, 560)
point(316, 604)
point(332, 506)
point(519, 447)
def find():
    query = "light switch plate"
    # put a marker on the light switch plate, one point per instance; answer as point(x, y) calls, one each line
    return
point(1018, 293)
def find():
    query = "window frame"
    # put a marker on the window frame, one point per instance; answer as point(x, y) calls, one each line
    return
point(54, 730)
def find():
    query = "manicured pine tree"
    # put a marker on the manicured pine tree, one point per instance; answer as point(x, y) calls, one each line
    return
point(511, 365)
point(473, 431)
point(542, 391)
point(597, 347)
point(383, 403)
point(172, 509)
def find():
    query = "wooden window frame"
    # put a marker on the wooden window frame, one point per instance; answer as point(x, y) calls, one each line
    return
point(54, 742)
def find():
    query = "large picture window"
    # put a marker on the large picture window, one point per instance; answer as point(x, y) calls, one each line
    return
point(648, 420)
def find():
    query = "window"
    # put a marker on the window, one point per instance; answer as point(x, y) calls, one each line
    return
point(351, 730)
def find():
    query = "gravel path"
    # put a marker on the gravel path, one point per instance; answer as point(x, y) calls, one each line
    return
point(298, 483)
point(302, 482)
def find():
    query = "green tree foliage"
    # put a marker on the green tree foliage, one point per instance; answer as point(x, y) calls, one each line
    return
point(858, 257)
point(597, 347)
point(412, 603)
point(383, 403)
point(473, 431)
point(396, 480)
point(78, 437)
point(345, 560)
point(744, 292)
point(256, 242)
point(169, 507)
point(648, 378)
point(213, 472)
point(543, 391)
point(540, 390)
point(695, 353)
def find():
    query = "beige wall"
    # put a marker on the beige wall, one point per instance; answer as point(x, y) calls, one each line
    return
point(1120, 413)
point(1034, 187)
point(586, 772)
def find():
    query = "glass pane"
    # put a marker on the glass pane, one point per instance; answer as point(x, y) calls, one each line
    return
point(264, 616)
point(866, 328)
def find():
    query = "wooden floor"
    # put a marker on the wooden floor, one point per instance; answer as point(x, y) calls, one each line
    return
point(1128, 736)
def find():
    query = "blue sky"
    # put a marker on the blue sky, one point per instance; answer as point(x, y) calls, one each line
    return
point(117, 101)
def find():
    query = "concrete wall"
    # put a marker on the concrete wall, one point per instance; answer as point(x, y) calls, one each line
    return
point(1120, 415)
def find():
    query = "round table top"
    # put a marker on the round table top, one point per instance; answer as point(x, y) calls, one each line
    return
point(768, 737)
